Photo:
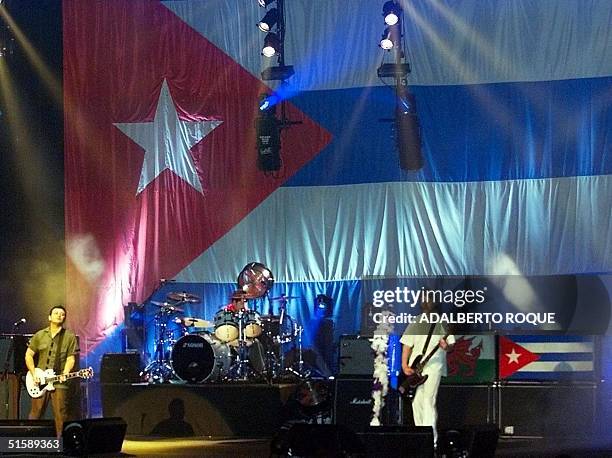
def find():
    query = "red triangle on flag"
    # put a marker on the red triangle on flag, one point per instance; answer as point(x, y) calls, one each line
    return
point(513, 357)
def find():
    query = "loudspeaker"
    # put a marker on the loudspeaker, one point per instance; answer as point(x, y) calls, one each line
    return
point(482, 440)
point(316, 440)
point(398, 441)
point(356, 357)
point(479, 441)
point(120, 368)
point(460, 405)
point(27, 428)
point(19, 344)
point(547, 410)
point(353, 404)
point(96, 435)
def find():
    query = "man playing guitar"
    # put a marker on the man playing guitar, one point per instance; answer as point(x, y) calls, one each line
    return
point(57, 349)
point(418, 342)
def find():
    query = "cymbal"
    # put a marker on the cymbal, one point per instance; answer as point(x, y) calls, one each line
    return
point(183, 297)
point(193, 322)
point(240, 295)
point(284, 298)
point(168, 306)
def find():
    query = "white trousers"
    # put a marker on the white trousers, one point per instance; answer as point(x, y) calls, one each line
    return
point(424, 403)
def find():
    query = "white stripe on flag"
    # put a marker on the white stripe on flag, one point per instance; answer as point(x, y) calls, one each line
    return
point(558, 347)
point(558, 366)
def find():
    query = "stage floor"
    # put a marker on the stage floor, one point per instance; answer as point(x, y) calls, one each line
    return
point(145, 446)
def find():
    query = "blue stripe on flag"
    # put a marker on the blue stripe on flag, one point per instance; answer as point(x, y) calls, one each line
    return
point(548, 338)
point(566, 357)
point(487, 132)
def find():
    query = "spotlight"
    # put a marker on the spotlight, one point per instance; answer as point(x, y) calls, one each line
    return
point(264, 3)
point(268, 21)
point(391, 12)
point(266, 103)
point(271, 45)
point(268, 129)
point(386, 41)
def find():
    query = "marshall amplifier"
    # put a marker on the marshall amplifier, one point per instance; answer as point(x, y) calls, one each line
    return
point(356, 357)
point(353, 404)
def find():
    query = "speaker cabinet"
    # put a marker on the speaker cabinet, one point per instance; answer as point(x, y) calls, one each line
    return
point(547, 410)
point(96, 435)
point(460, 405)
point(120, 368)
point(356, 357)
point(353, 404)
point(12, 350)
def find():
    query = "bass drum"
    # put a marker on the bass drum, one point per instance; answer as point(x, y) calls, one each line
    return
point(197, 358)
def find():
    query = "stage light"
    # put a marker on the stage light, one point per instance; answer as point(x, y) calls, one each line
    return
point(408, 134)
point(271, 45)
point(278, 73)
point(266, 103)
point(323, 303)
point(391, 12)
point(264, 3)
point(268, 21)
point(386, 41)
point(268, 129)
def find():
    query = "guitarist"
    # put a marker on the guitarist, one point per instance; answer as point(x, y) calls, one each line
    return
point(56, 349)
point(421, 339)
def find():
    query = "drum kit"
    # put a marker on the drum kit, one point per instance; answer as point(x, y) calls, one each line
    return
point(238, 344)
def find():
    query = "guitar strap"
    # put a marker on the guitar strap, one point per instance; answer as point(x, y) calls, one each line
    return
point(58, 352)
point(431, 329)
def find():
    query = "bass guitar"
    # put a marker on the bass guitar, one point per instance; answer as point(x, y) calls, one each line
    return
point(413, 381)
point(48, 378)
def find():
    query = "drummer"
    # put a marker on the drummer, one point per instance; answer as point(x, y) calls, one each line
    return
point(239, 302)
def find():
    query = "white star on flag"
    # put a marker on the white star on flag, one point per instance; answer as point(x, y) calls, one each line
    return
point(513, 356)
point(167, 141)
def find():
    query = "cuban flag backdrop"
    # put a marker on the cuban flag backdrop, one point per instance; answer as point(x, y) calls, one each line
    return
point(513, 98)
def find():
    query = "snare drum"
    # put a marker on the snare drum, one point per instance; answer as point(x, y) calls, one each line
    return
point(252, 324)
point(200, 357)
point(226, 325)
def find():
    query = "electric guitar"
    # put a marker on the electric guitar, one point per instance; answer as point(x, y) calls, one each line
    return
point(413, 381)
point(48, 378)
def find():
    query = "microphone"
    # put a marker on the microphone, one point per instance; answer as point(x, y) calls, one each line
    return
point(19, 323)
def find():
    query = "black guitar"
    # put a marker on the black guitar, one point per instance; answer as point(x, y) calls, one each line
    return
point(411, 382)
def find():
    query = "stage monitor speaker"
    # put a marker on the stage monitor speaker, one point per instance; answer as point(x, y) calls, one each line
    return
point(482, 440)
point(27, 428)
point(304, 439)
point(356, 356)
point(478, 441)
point(95, 435)
point(120, 368)
point(416, 441)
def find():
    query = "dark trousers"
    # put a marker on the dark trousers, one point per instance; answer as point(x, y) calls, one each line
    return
point(59, 402)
